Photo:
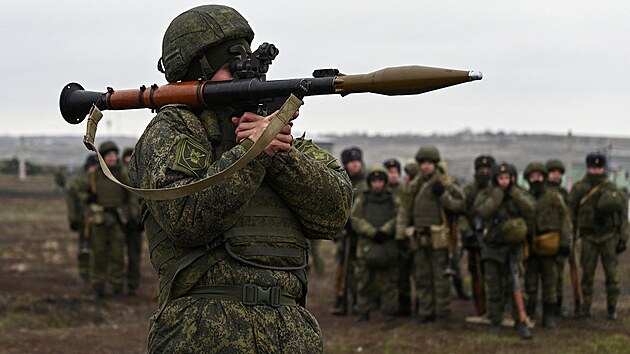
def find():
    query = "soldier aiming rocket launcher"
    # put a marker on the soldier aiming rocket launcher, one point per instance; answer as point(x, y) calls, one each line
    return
point(249, 90)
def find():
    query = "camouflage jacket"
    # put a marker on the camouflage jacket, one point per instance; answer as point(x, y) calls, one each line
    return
point(179, 147)
point(76, 198)
point(552, 214)
point(599, 215)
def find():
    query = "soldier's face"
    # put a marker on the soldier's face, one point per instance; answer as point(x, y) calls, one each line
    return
point(377, 185)
point(111, 158)
point(126, 159)
point(504, 180)
point(353, 167)
point(393, 174)
point(536, 177)
point(427, 168)
point(223, 74)
point(596, 170)
point(483, 170)
point(554, 176)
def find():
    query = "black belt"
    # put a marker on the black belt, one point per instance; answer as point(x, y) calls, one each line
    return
point(249, 294)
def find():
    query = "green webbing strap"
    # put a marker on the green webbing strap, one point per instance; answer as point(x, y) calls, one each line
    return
point(272, 251)
point(261, 230)
point(273, 212)
point(249, 294)
point(283, 116)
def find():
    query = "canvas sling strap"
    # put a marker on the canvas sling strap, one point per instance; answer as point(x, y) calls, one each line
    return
point(592, 192)
point(282, 117)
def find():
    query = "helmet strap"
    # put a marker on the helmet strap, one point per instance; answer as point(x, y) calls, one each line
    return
point(206, 68)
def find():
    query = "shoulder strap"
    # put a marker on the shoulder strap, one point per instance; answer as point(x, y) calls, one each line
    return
point(592, 192)
point(284, 115)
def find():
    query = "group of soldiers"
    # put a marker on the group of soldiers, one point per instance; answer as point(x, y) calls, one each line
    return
point(414, 231)
point(106, 218)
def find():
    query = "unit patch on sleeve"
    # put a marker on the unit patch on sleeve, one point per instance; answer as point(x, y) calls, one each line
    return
point(192, 158)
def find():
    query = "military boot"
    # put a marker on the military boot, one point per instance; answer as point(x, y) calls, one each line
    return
point(612, 312)
point(117, 295)
point(548, 312)
point(495, 327)
point(586, 311)
point(530, 309)
point(339, 309)
point(524, 331)
point(98, 292)
point(459, 288)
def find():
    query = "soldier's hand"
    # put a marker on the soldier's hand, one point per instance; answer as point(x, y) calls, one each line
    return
point(380, 237)
point(438, 189)
point(251, 126)
point(470, 241)
point(621, 246)
point(564, 251)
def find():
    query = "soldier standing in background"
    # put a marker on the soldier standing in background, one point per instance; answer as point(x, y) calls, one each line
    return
point(405, 254)
point(346, 240)
point(550, 237)
point(76, 201)
point(555, 171)
point(431, 196)
point(411, 170)
point(133, 239)
point(231, 259)
point(506, 211)
point(393, 175)
point(374, 220)
point(471, 227)
point(110, 212)
point(600, 216)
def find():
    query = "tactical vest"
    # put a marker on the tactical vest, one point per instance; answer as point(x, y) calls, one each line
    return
point(109, 193)
point(268, 236)
point(548, 212)
point(426, 207)
point(599, 213)
point(378, 208)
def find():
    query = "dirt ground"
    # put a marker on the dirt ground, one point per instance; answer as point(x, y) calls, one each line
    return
point(45, 309)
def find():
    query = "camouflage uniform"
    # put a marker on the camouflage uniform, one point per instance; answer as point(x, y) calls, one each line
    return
point(551, 216)
point(248, 232)
point(347, 238)
point(76, 201)
point(471, 228)
point(496, 206)
point(110, 207)
point(601, 223)
point(422, 209)
point(133, 240)
point(373, 219)
point(560, 260)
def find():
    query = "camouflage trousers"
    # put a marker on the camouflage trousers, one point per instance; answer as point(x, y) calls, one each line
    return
point(133, 238)
point(108, 258)
point(405, 262)
point(83, 254)
point(199, 325)
point(543, 270)
point(591, 252)
point(367, 291)
point(499, 288)
point(560, 265)
point(433, 289)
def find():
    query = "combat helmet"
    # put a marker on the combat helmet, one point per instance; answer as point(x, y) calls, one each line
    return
point(534, 166)
point(428, 153)
point(377, 172)
point(107, 146)
point(202, 35)
point(411, 169)
point(555, 164)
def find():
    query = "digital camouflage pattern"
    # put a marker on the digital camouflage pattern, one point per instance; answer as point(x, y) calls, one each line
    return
point(601, 221)
point(108, 236)
point(306, 182)
point(421, 209)
point(551, 215)
point(76, 202)
point(496, 206)
point(376, 262)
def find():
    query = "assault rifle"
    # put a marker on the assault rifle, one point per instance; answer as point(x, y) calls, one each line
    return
point(250, 91)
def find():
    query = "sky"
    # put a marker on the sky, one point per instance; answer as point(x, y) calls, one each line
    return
point(548, 66)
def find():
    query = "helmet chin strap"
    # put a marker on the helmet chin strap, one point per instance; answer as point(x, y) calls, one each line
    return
point(206, 68)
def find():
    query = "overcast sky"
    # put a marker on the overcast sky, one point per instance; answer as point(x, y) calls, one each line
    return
point(548, 66)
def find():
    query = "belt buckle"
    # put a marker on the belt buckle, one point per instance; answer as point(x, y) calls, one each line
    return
point(259, 295)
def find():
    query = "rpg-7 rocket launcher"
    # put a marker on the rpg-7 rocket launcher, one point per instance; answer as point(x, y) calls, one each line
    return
point(250, 91)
